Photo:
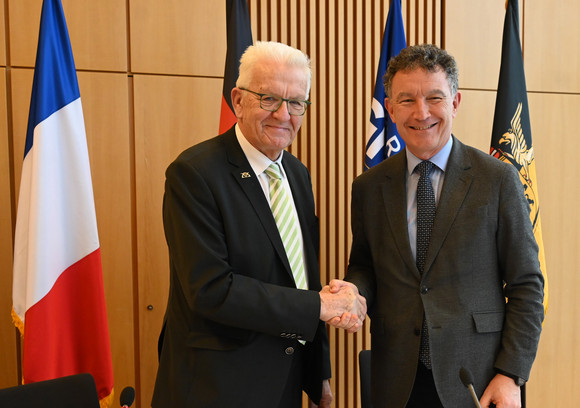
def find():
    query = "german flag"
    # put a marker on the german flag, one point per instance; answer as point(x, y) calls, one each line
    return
point(239, 32)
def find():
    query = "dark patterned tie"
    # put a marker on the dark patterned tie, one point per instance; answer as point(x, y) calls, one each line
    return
point(425, 215)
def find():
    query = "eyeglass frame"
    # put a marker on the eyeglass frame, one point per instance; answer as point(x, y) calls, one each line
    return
point(287, 100)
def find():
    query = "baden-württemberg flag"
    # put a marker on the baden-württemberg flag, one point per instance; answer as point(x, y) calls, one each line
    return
point(383, 140)
point(58, 296)
point(511, 139)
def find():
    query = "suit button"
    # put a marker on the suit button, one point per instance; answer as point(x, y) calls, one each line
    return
point(424, 290)
point(289, 351)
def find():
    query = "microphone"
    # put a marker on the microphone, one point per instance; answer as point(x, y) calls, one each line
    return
point(127, 397)
point(467, 380)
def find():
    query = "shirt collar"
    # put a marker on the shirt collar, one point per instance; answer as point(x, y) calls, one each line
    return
point(440, 159)
point(258, 160)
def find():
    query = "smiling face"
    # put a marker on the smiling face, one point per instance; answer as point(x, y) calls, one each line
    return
point(422, 106)
point(270, 132)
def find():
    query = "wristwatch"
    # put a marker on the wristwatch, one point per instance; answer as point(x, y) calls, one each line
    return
point(518, 380)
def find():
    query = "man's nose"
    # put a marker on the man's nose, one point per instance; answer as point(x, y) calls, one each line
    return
point(422, 110)
point(282, 112)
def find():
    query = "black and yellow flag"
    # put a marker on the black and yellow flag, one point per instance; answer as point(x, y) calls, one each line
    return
point(511, 139)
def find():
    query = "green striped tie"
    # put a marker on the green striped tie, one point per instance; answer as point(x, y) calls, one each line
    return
point(287, 223)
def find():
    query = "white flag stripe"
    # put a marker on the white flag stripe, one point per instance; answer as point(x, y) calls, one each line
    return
point(60, 206)
point(378, 109)
point(376, 145)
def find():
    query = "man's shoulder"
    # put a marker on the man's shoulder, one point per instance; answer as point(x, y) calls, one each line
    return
point(479, 159)
point(391, 166)
point(204, 150)
point(210, 154)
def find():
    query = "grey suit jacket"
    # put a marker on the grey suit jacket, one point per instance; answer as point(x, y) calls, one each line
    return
point(482, 237)
point(234, 312)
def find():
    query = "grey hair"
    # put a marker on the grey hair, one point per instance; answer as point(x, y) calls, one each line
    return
point(428, 57)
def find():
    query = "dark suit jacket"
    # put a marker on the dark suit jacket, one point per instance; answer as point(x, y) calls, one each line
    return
point(482, 237)
point(234, 309)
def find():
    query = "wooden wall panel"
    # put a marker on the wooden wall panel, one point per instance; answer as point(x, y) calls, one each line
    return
point(21, 85)
point(479, 57)
point(97, 32)
point(8, 336)
point(178, 37)
point(23, 27)
point(2, 34)
point(171, 114)
point(106, 111)
point(551, 44)
point(554, 377)
point(474, 119)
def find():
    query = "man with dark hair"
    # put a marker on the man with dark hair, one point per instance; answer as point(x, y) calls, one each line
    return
point(444, 253)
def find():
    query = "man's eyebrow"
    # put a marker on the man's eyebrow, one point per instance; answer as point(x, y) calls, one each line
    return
point(437, 92)
point(403, 95)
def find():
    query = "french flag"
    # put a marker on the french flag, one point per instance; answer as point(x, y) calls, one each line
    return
point(58, 296)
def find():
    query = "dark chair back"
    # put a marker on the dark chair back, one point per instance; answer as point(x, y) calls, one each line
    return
point(364, 365)
point(73, 391)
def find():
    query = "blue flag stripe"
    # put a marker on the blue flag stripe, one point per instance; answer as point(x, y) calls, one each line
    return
point(55, 82)
point(384, 131)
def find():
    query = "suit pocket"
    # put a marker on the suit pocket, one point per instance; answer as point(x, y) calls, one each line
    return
point(488, 322)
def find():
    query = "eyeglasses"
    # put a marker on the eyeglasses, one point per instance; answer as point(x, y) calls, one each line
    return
point(272, 103)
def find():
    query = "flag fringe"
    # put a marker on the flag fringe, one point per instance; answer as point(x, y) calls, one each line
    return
point(17, 322)
point(108, 400)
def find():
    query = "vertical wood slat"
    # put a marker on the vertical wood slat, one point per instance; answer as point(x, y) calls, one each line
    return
point(343, 41)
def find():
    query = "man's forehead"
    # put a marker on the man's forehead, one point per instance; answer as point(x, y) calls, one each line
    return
point(410, 81)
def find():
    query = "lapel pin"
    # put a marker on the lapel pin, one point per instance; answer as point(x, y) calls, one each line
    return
point(245, 174)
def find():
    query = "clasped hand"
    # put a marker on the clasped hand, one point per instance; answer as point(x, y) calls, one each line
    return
point(342, 306)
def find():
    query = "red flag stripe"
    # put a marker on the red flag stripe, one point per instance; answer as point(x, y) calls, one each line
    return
point(227, 117)
point(71, 303)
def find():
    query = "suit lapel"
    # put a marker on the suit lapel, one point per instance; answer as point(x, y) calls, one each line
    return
point(394, 192)
point(455, 187)
point(245, 177)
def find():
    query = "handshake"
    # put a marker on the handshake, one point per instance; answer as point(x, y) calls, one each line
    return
point(342, 306)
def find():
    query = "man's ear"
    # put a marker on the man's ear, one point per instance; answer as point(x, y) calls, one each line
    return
point(389, 108)
point(456, 102)
point(237, 101)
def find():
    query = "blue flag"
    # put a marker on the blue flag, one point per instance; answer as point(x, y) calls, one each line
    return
point(383, 138)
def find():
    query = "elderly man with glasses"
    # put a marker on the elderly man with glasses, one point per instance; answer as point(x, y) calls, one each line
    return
point(244, 325)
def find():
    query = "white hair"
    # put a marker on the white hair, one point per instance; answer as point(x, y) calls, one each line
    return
point(263, 51)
